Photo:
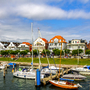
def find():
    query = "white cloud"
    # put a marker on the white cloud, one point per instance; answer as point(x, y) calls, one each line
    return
point(40, 11)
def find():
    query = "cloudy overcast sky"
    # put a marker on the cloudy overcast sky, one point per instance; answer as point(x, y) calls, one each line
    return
point(68, 18)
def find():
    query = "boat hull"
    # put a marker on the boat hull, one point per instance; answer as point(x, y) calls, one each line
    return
point(66, 86)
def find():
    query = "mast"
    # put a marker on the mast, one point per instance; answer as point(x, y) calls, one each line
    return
point(32, 43)
point(39, 35)
point(60, 59)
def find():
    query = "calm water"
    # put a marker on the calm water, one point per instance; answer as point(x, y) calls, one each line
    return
point(12, 83)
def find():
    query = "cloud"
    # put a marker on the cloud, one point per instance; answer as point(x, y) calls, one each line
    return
point(41, 11)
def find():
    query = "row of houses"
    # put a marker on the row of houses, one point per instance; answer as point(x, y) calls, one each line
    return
point(42, 43)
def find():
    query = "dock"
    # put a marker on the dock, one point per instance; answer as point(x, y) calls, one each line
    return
point(56, 76)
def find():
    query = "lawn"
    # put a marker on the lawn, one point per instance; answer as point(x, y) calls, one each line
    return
point(51, 61)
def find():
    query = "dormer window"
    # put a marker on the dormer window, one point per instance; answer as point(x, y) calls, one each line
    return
point(56, 40)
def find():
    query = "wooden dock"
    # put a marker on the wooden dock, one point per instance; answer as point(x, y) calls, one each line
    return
point(57, 75)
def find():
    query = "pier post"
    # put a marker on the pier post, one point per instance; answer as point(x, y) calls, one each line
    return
point(37, 79)
point(4, 73)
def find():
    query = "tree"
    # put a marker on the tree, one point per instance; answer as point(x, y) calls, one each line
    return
point(57, 52)
point(4, 52)
point(45, 52)
point(74, 52)
point(87, 52)
point(67, 51)
point(14, 52)
point(35, 52)
point(23, 53)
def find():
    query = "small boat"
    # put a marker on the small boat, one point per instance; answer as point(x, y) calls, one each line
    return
point(83, 70)
point(64, 84)
point(74, 77)
point(25, 74)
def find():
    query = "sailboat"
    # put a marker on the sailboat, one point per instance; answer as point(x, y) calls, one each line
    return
point(30, 73)
point(63, 84)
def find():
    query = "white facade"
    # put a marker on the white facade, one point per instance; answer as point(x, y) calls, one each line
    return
point(39, 44)
point(55, 43)
point(76, 44)
point(2, 46)
point(22, 47)
point(11, 46)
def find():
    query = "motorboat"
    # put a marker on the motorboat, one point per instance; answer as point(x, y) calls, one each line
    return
point(82, 70)
point(74, 77)
point(25, 74)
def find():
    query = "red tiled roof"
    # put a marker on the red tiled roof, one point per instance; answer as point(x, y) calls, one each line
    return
point(44, 40)
point(27, 43)
point(59, 38)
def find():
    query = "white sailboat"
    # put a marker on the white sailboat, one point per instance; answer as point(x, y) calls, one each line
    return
point(30, 73)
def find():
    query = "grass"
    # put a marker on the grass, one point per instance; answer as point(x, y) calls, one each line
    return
point(44, 60)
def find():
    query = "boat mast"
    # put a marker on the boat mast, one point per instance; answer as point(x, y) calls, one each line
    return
point(32, 43)
point(39, 35)
point(60, 59)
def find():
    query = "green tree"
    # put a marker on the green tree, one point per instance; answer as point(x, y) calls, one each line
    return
point(74, 52)
point(23, 53)
point(14, 52)
point(45, 52)
point(4, 52)
point(35, 52)
point(67, 51)
point(57, 52)
point(87, 52)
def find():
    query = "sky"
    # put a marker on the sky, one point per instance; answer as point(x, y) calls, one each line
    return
point(67, 18)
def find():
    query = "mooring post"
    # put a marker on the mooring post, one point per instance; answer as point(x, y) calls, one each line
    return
point(37, 79)
point(4, 73)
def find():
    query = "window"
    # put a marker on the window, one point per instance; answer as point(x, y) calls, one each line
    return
point(55, 40)
point(55, 44)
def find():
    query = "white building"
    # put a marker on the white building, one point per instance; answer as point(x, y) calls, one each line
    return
point(55, 43)
point(2, 46)
point(22, 47)
point(40, 44)
point(76, 44)
point(11, 46)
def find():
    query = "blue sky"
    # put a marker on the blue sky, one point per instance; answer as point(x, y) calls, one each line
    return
point(68, 18)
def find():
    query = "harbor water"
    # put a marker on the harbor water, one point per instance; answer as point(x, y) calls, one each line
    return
point(13, 83)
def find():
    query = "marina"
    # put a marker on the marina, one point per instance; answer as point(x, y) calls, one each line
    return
point(12, 83)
